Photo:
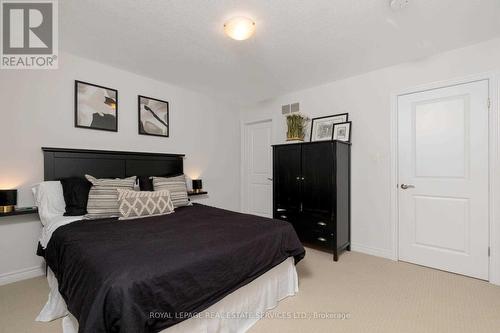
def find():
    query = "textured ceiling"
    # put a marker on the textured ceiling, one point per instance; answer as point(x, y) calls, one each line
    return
point(298, 43)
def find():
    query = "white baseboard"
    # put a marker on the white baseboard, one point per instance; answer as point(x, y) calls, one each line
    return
point(373, 251)
point(22, 274)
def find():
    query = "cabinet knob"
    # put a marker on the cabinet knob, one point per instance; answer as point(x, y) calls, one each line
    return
point(298, 178)
point(283, 216)
point(322, 223)
point(321, 239)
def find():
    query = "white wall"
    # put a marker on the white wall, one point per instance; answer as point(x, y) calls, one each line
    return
point(367, 99)
point(37, 109)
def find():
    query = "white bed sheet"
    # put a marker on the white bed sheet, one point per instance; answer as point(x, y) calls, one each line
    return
point(54, 223)
point(55, 307)
point(236, 312)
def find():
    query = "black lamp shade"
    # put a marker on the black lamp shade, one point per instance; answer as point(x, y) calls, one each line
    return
point(8, 197)
point(197, 184)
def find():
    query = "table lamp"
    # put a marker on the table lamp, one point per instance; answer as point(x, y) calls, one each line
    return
point(8, 200)
point(197, 185)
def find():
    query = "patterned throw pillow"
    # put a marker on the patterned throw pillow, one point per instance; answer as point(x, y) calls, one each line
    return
point(103, 197)
point(134, 204)
point(176, 186)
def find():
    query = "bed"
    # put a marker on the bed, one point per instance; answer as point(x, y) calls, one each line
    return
point(199, 269)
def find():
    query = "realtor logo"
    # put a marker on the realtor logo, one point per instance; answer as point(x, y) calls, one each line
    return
point(29, 34)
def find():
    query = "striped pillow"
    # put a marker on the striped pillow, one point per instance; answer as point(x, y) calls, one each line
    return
point(176, 186)
point(103, 197)
point(135, 204)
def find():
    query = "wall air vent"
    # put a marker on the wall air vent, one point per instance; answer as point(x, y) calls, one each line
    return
point(285, 109)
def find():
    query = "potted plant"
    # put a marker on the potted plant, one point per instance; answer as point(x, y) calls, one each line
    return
point(296, 123)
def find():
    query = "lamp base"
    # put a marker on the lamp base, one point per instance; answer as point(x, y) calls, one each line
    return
point(6, 209)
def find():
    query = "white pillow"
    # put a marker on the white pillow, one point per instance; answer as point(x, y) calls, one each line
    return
point(49, 199)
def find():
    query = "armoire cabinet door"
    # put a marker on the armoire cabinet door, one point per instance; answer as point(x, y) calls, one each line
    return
point(285, 178)
point(317, 175)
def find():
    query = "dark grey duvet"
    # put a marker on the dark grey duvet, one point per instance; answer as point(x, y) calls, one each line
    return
point(147, 274)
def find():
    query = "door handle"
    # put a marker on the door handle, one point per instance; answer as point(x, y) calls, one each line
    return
point(269, 178)
point(407, 186)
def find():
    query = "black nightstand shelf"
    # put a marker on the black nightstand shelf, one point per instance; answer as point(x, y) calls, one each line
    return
point(191, 193)
point(21, 211)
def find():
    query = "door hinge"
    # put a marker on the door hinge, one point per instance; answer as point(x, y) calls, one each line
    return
point(489, 252)
point(489, 104)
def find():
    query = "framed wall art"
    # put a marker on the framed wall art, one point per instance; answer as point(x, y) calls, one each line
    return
point(96, 107)
point(153, 116)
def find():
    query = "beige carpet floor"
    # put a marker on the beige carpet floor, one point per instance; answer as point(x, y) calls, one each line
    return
point(360, 293)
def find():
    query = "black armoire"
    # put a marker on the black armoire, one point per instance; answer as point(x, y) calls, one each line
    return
point(312, 190)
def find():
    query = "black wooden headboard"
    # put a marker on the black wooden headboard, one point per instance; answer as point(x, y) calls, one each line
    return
point(62, 163)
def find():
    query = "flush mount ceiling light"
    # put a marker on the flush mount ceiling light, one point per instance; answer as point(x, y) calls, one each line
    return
point(239, 28)
point(399, 4)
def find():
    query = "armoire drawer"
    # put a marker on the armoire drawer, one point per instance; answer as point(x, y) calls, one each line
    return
point(318, 237)
point(316, 222)
point(286, 215)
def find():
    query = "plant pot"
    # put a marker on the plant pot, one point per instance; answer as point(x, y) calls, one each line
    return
point(295, 127)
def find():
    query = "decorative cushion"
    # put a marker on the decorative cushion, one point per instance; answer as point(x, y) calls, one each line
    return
point(176, 186)
point(134, 204)
point(76, 195)
point(103, 196)
point(145, 183)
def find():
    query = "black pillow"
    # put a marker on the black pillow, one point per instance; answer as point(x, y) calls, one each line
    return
point(145, 183)
point(76, 195)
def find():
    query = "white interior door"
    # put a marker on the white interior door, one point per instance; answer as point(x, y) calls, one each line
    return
point(443, 178)
point(257, 168)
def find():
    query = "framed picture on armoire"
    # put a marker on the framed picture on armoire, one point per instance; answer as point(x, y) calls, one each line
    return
point(342, 131)
point(322, 127)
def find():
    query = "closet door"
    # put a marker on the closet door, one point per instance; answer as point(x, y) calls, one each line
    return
point(286, 180)
point(316, 179)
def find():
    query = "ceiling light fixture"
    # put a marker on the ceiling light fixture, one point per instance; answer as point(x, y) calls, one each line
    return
point(239, 28)
point(399, 4)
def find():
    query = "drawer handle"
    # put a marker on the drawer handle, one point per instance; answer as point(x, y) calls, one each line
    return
point(283, 216)
point(281, 210)
point(322, 224)
point(321, 239)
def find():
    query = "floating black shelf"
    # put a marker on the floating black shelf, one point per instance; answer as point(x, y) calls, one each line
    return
point(21, 211)
point(191, 193)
